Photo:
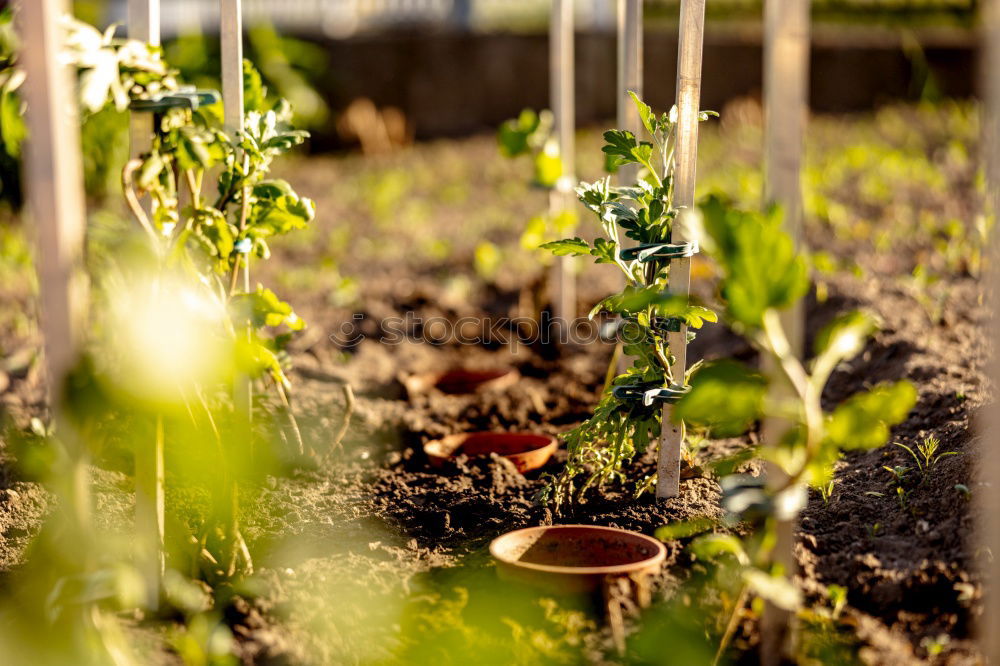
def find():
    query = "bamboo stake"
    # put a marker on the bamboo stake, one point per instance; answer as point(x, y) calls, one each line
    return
point(691, 44)
point(562, 94)
point(231, 47)
point(54, 187)
point(231, 36)
point(629, 79)
point(786, 102)
point(144, 25)
point(988, 498)
point(629, 75)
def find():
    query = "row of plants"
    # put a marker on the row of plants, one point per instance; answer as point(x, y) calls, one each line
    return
point(179, 339)
point(761, 274)
point(194, 57)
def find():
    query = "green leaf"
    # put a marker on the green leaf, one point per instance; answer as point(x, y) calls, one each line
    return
point(863, 420)
point(548, 165)
point(13, 131)
point(846, 334)
point(725, 396)
point(761, 267)
point(622, 145)
point(263, 308)
point(843, 338)
point(604, 251)
point(712, 546)
point(684, 529)
point(277, 209)
point(150, 171)
point(646, 114)
point(776, 589)
point(514, 136)
point(254, 92)
point(575, 247)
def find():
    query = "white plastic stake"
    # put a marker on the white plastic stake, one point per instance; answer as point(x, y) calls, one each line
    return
point(562, 95)
point(144, 25)
point(987, 494)
point(691, 43)
point(786, 103)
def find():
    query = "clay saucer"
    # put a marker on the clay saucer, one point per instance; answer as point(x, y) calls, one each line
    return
point(574, 558)
point(528, 451)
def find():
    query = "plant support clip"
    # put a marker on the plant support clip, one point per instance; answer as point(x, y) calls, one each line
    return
point(652, 251)
point(185, 97)
point(648, 394)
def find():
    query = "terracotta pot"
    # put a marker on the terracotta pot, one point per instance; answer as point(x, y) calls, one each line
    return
point(462, 381)
point(574, 559)
point(527, 451)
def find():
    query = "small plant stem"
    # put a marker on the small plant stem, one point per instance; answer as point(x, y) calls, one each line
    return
point(194, 185)
point(244, 214)
point(609, 376)
point(731, 625)
point(283, 395)
point(338, 439)
point(132, 200)
point(777, 345)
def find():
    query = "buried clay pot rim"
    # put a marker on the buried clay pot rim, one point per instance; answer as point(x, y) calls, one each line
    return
point(527, 450)
point(611, 569)
point(459, 380)
point(453, 445)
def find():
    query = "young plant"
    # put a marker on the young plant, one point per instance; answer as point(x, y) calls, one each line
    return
point(637, 223)
point(531, 135)
point(762, 274)
point(209, 240)
point(927, 455)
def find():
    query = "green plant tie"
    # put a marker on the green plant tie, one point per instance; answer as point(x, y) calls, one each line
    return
point(185, 97)
point(659, 324)
point(654, 251)
point(650, 393)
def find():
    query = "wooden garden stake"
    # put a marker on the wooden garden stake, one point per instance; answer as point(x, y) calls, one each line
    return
point(53, 184)
point(629, 75)
point(786, 102)
point(144, 25)
point(231, 46)
point(629, 79)
point(691, 43)
point(561, 199)
point(988, 497)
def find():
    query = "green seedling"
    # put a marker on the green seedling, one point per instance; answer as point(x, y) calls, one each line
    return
point(531, 135)
point(935, 645)
point(927, 455)
point(826, 491)
point(899, 475)
point(963, 489)
point(637, 222)
point(929, 292)
point(898, 472)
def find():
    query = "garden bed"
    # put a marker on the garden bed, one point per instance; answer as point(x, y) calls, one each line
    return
point(373, 556)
